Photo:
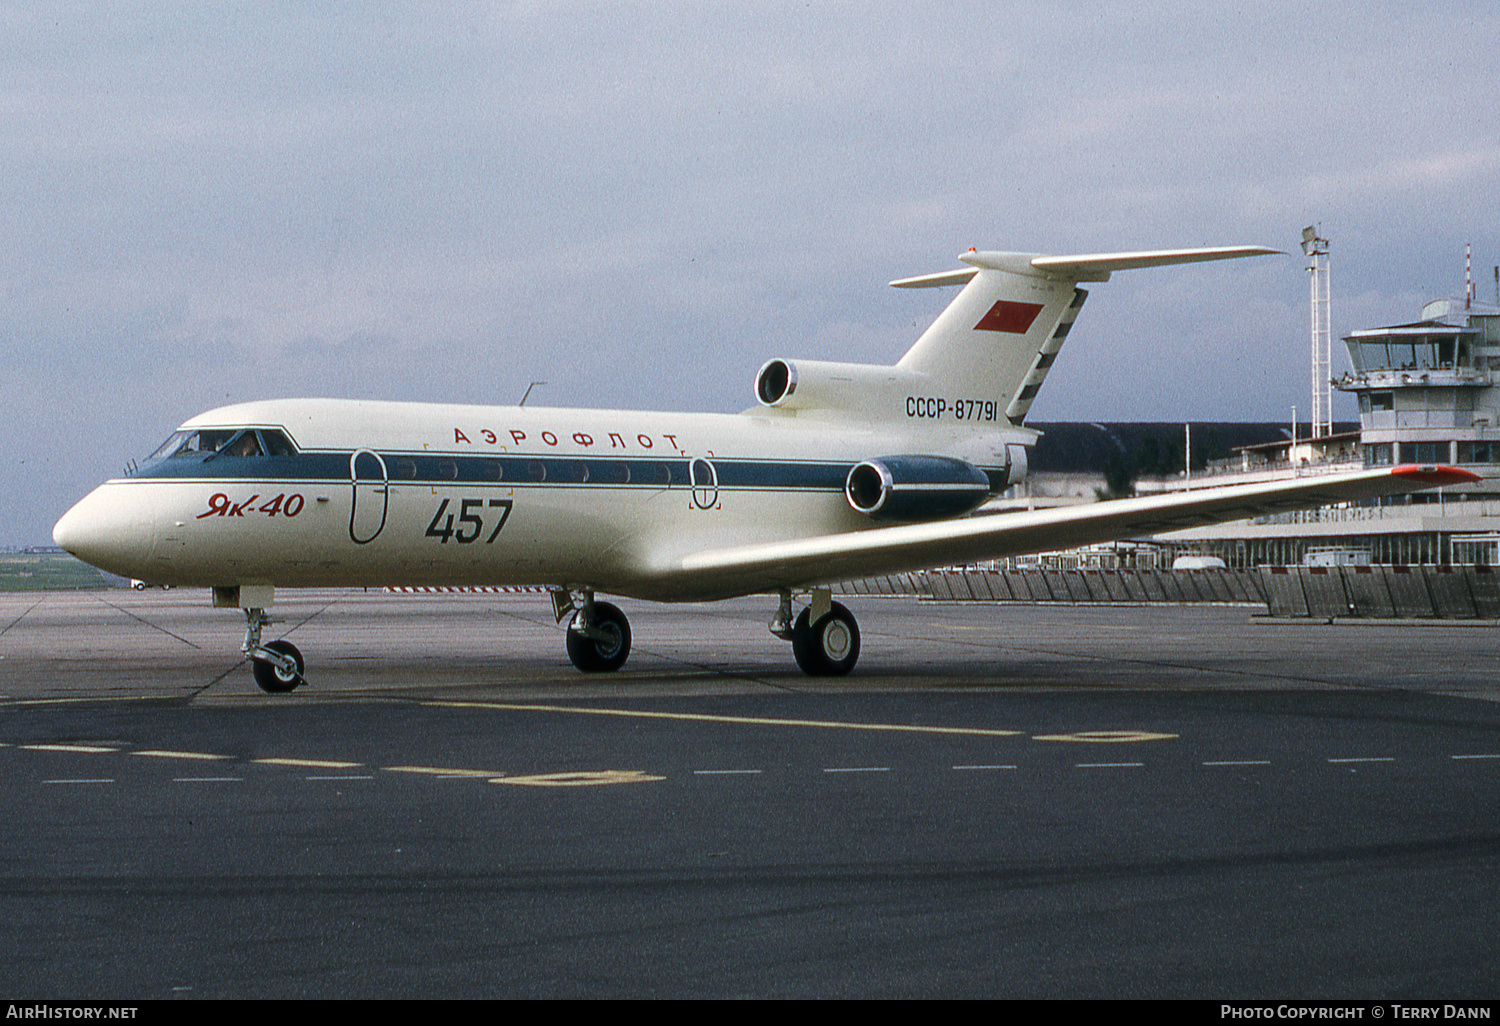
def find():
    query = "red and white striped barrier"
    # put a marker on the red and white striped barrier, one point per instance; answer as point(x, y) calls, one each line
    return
point(527, 589)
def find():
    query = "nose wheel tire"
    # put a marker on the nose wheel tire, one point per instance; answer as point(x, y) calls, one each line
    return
point(604, 645)
point(828, 648)
point(273, 678)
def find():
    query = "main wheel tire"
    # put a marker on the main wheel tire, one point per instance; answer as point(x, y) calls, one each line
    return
point(828, 648)
point(601, 655)
point(272, 678)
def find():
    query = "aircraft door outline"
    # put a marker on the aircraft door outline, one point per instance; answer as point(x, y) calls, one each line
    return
point(369, 479)
point(704, 478)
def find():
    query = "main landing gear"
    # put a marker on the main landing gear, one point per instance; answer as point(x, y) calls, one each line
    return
point(599, 634)
point(824, 637)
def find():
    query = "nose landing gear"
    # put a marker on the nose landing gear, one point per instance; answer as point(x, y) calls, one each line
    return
point(277, 667)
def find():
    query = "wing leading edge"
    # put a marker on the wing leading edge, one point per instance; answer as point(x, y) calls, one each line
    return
point(738, 570)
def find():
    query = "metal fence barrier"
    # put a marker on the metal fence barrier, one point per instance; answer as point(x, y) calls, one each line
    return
point(1410, 592)
point(1119, 587)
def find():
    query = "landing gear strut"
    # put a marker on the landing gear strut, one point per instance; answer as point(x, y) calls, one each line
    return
point(278, 666)
point(825, 637)
point(599, 634)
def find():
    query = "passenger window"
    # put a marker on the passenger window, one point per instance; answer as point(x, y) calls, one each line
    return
point(610, 473)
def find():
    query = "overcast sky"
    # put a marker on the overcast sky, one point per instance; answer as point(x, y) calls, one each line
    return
point(639, 204)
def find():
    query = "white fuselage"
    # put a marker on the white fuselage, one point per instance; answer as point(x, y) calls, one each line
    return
point(384, 493)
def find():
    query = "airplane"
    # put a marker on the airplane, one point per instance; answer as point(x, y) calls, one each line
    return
point(840, 471)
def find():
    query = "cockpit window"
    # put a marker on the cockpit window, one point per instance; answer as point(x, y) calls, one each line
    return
point(169, 447)
point(194, 443)
point(244, 445)
point(277, 444)
point(226, 442)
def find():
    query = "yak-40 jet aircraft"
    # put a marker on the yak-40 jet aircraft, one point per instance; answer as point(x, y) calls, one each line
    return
point(840, 471)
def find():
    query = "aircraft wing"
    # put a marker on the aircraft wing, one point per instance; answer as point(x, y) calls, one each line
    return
point(767, 566)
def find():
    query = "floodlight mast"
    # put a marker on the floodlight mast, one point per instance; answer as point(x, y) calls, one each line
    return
point(1316, 249)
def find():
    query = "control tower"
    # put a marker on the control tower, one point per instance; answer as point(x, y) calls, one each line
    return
point(1428, 390)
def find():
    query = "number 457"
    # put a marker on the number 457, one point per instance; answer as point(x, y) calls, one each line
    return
point(471, 520)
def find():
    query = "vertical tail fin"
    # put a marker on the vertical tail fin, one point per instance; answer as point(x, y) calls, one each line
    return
point(999, 336)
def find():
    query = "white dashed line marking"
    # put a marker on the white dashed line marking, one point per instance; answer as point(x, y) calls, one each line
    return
point(725, 772)
point(68, 748)
point(444, 772)
point(308, 763)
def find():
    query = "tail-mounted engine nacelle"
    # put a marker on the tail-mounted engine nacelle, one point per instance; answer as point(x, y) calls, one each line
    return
point(775, 382)
point(851, 388)
point(916, 487)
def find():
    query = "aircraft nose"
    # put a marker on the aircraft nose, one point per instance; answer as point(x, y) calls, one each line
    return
point(108, 531)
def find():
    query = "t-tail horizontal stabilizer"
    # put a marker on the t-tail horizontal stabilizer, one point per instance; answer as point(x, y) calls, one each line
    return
point(1085, 267)
point(1000, 335)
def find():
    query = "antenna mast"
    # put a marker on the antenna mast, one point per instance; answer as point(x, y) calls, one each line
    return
point(1468, 280)
point(1316, 249)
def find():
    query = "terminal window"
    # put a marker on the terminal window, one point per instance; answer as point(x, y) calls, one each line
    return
point(1424, 452)
point(1479, 452)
